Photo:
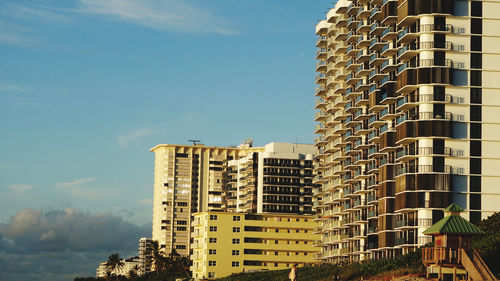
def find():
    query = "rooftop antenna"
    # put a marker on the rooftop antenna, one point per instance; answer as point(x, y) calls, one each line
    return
point(194, 141)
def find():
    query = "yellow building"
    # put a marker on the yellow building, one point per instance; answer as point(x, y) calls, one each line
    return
point(228, 243)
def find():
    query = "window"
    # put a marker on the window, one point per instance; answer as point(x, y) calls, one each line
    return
point(476, 60)
point(297, 231)
point(475, 148)
point(475, 130)
point(475, 113)
point(180, 228)
point(212, 263)
point(475, 183)
point(213, 228)
point(475, 166)
point(236, 218)
point(212, 251)
point(476, 26)
point(213, 217)
point(277, 230)
point(212, 240)
point(236, 241)
point(476, 9)
point(211, 275)
point(276, 242)
point(236, 252)
point(476, 95)
point(476, 43)
point(236, 229)
point(235, 264)
point(275, 264)
point(180, 247)
point(475, 202)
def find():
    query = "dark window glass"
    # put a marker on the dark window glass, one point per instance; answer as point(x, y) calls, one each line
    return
point(475, 217)
point(439, 40)
point(436, 216)
point(438, 146)
point(475, 148)
point(476, 26)
point(439, 58)
point(476, 95)
point(439, 93)
point(476, 9)
point(475, 113)
point(476, 43)
point(475, 78)
point(475, 183)
point(439, 23)
point(476, 60)
point(475, 166)
point(438, 164)
point(475, 202)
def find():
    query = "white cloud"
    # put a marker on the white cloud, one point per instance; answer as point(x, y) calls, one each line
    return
point(14, 34)
point(12, 88)
point(162, 15)
point(125, 140)
point(146, 201)
point(20, 187)
point(35, 11)
point(74, 183)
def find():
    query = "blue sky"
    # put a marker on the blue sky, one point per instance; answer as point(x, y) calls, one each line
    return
point(88, 86)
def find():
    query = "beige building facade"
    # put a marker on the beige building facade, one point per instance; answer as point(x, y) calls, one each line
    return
point(407, 121)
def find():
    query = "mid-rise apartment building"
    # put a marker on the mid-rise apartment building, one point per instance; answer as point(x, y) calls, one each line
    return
point(145, 255)
point(227, 242)
point(188, 179)
point(275, 180)
point(195, 178)
point(408, 121)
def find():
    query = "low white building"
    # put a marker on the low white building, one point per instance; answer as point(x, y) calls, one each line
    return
point(130, 264)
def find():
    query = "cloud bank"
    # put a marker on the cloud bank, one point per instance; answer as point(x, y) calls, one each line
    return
point(63, 244)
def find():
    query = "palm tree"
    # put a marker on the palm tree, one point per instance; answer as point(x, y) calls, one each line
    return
point(114, 263)
point(159, 261)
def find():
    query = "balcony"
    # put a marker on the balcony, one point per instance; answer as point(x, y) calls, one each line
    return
point(340, 47)
point(424, 169)
point(376, 13)
point(376, 29)
point(320, 66)
point(376, 76)
point(376, 60)
point(321, 42)
point(352, 51)
point(352, 37)
point(352, 23)
point(389, 34)
point(363, 27)
point(376, 44)
point(320, 91)
point(364, 13)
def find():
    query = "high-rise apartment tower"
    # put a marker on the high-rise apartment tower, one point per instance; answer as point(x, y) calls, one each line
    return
point(408, 121)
